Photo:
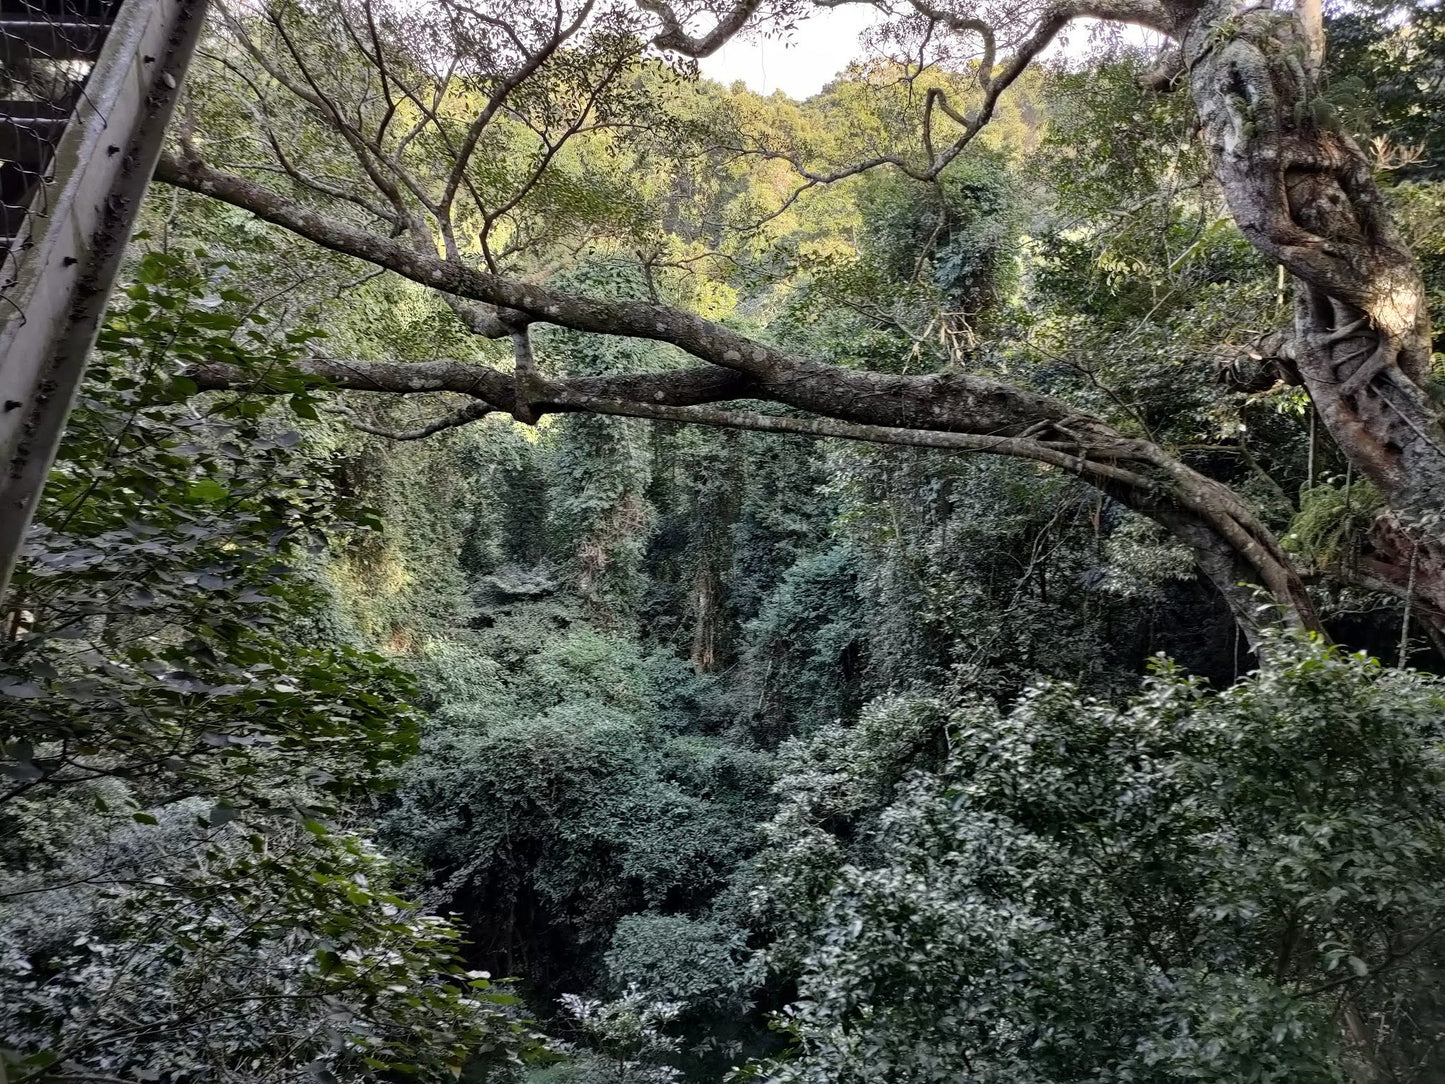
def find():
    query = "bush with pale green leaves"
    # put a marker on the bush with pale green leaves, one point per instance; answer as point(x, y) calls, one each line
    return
point(1236, 885)
point(242, 953)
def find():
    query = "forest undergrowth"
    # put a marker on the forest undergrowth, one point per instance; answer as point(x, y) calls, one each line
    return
point(586, 748)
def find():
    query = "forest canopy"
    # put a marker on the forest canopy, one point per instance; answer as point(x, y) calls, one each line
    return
point(565, 572)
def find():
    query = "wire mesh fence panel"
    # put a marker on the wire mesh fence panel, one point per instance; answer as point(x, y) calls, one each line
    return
point(47, 50)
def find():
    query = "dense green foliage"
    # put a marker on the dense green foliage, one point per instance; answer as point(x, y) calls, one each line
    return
point(187, 742)
point(724, 752)
point(1186, 887)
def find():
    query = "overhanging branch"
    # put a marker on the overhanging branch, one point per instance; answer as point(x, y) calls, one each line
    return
point(1229, 543)
point(1092, 462)
point(952, 401)
point(465, 416)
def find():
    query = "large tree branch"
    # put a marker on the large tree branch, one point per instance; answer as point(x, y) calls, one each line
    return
point(1094, 462)
point(952, 401)
point(675, 387)
point(1230, 545)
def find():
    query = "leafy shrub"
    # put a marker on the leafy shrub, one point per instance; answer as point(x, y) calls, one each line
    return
point(695, 963)
point(178, 726)
point(1194, 886)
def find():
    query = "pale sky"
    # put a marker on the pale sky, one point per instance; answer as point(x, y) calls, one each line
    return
point(824, 43)
point(800, 64)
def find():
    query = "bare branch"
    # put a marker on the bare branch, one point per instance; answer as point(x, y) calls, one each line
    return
point(465, 416)
point(530, 65)
point(678, 40)
point(993, 83)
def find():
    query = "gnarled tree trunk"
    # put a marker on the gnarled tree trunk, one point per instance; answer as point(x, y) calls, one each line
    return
point(1304, 193)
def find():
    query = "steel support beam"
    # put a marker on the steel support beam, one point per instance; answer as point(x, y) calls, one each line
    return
point(72, 254)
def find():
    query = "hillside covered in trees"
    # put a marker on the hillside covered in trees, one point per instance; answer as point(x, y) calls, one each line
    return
point(564, 572)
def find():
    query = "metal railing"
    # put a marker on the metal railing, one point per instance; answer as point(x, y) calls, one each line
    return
point(89, 86)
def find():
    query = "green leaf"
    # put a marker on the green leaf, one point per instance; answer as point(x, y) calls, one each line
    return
point(208, 490)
